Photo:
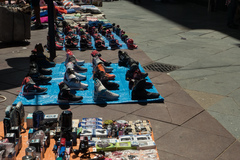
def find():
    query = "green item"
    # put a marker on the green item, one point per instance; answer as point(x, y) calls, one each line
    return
point(77, 15)
point(125, 146)
point(105, 146)
point(107, 122)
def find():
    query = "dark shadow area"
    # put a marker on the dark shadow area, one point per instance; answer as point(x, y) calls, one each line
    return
point(64, 106)
point(43, 27)
point(20, 63)
point(13, 44)
point(15, 74)
point(191, 15)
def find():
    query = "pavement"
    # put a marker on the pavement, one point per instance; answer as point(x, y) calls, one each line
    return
point(199, 119)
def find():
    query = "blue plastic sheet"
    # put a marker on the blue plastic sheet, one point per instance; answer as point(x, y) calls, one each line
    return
point(50, 98)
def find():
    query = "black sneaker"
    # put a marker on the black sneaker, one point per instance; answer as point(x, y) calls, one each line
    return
point(37, 77)
point(65, 96)
point(30, 88)
point(125, 60)
point(44, 71)
point(78, 68)
point(104, 79)
point(143, 94)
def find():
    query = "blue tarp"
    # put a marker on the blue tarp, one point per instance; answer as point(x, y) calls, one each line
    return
point(50, 98)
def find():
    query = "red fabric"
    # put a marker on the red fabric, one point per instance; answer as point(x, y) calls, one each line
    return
point(60, 9)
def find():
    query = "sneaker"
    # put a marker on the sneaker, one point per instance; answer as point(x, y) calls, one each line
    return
point(125, 60)
point(30, 88)
point(73, 82)
point(79, 76)
point(37, 77)
point(71, 58)
point(95, 53)
point(65, 96)
point(97, 60)
point(139, 92)
point(135, 73)
point(76, 67)
point(41, 70)
point(130, 44)
point(143, 94)
point(39, 57)
point(100, 67)
point(101, 93)
point(104, 79)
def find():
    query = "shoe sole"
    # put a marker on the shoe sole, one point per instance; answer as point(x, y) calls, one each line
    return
point(66, 101)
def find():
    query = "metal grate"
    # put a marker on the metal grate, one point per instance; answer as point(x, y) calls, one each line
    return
point(160, 67)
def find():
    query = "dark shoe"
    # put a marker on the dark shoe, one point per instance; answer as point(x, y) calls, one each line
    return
point(65, 96)
point(30, 88)
point(143, 94)
point(125, 60)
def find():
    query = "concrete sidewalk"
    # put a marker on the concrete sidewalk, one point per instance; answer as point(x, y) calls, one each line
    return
point(199, 118)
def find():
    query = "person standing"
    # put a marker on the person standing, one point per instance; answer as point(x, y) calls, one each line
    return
point(231, 13)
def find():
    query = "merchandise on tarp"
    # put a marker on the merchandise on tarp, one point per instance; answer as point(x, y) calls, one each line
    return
point(51, 97)
point(15, 23)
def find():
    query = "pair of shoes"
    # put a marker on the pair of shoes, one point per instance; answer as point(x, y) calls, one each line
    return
point(30, 88)
point(125, 60)
point(39, 57)
point(73, 81)
point(76, 67)
point(105, 81)
point(37, 77)
point(95, 53)
point(101, 93)
point(65, 96)
point(139, 92)
point(100, 67)
point(71, 58)
point(96, 61)
point(44, 71)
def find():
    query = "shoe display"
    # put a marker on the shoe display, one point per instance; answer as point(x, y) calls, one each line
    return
point(72, 80)
point(76, 67)
point(100, 45)
point(39, 57)
point(85, 43)
point(65, 96)
point(130, 44)
point(125, 60)
point(101, 93)
point(79, 76)
point(95, 53)
point(71, 58)
point(100, 67)
point(30, 88)
point(37, 77)
point(104, 79)
point(41, 70)
point(139, 92)
point(96, 60)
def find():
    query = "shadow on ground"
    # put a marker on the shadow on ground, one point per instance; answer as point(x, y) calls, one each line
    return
point(13, 44)
point(191, 15)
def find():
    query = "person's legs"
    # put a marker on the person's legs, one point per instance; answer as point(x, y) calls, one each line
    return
point(232, 7)
point(37, 14)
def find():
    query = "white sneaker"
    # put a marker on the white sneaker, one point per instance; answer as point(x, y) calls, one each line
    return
point(73, 82)
point(96, 61)
point(101, 93)
point(71, 58)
